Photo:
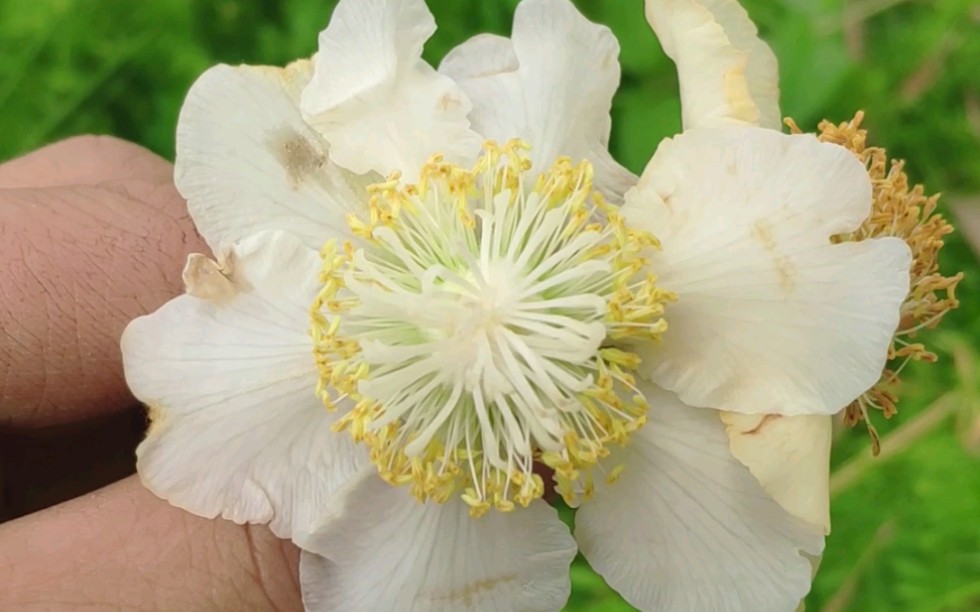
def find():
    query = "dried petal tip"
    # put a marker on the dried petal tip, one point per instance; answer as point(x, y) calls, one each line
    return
point(204, 278)
point(909, 214)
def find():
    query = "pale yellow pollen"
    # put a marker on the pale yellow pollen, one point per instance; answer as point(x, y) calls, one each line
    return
point(902, 211)
point(477, 433)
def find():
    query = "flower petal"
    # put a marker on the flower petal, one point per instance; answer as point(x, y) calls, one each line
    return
point(551, 86)
point(770, 316)
point(247, 162)
point(486, 69)
point(375, 100)
point(386, 551)
point(484, 55)
point(726, 73)
point(236, 429)
point(789, 456)
point(687, 527)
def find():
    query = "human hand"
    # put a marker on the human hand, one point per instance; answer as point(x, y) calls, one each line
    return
point(92, 234)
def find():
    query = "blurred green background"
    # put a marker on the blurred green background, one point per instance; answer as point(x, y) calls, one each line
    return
point(906, 525)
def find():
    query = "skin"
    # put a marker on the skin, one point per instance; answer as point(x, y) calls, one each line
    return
point(92, 234)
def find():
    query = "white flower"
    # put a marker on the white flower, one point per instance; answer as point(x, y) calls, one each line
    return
point(472, 315)
point(728, 76)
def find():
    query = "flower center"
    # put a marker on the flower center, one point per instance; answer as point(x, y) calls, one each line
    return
point(477, 327)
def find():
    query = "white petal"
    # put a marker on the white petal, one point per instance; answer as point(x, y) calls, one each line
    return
point(386, 551)
point(770, 317)
point(687, 527)
point(726, 73)
point(247, 162)
point(552, 86)
point(486, 69)
point(375, 100)
point(484, 55)
point(236, 429)
point(790, 457)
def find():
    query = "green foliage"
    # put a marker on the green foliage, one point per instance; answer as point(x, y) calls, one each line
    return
point(109, 66)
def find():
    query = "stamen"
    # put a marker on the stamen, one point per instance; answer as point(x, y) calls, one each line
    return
point(909, 214)
point(477, 324)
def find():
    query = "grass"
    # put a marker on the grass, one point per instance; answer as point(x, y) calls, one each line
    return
point(906, 533)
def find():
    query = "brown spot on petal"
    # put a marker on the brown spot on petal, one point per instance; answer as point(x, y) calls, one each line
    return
point(732, 167)
point(464, 595)
point(298, 156)
point(784, 272)
point(762, 231)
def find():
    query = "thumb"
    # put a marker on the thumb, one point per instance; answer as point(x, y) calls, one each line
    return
point(92, 234)
point(122, 547)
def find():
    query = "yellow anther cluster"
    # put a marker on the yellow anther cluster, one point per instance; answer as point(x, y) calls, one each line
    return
point(415, 231)
point(334, 355)
point(902, 211)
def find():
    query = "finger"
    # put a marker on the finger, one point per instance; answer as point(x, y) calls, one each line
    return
point(123, 548)
point(82, 258)
point(82, 160)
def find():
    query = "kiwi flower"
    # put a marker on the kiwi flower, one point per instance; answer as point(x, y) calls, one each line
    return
point(430, 287)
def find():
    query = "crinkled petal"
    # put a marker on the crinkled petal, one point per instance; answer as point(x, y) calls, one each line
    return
point(727, 73)
point(236, 429)
point(770, 317)
point(789, 456)
point(484, 55)
point(486, 68)
point(687, 527)
point(383, 550)
point(378, 104)
point(551, 85)
point(247, 162)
